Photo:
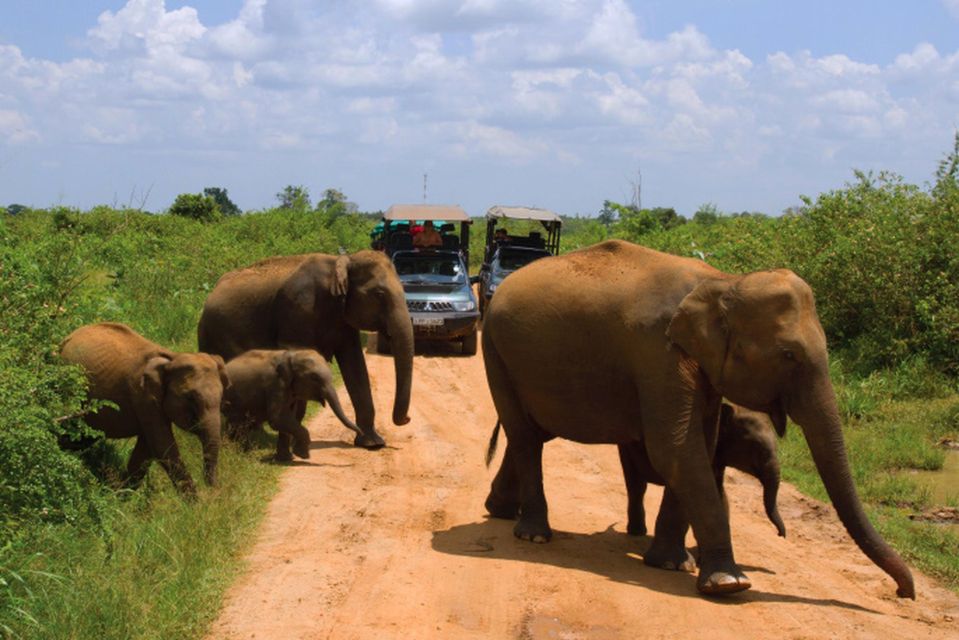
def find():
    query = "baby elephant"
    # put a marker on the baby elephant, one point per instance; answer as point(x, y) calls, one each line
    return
point(747, 441)
point(151, 387)
point(274, 386)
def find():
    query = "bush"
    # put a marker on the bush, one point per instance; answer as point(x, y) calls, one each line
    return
point(196, 206)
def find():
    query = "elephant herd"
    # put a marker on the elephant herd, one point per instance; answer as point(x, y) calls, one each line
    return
point(686, 368)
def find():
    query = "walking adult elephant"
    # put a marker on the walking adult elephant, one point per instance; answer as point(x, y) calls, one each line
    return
point(618, 343)
point(320, 302)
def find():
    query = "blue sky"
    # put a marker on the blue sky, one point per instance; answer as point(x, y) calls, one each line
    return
point(555, 103)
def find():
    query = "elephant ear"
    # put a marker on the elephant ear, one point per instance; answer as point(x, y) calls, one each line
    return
point(284, 368)
point(341, 277)
point(699, 326)
point(151, 380)
point(727, 413)
point(221, 369)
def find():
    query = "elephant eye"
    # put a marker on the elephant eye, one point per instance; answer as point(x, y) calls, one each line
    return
point(789, 355)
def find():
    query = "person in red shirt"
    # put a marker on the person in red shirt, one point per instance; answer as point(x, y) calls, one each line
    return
point(428, 237)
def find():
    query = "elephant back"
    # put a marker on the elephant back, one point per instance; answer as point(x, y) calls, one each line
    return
point(237, 314)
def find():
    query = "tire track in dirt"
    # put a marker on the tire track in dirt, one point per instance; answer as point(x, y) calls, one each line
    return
point(394, 544)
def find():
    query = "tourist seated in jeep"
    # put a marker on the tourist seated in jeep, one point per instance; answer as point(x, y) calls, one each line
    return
point(428, 237)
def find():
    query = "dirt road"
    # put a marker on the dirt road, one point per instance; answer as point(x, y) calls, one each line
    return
point(395, 544)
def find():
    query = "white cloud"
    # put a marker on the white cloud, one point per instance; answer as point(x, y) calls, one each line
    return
point(497, 142)
point(922, 57)
point(243, 38)
point(848, 101)
point(146, 23)
point(625, 103)
point(14, 127)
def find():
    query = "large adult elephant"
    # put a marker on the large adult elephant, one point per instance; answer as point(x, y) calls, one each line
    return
point(321, 302)
point(618, 343)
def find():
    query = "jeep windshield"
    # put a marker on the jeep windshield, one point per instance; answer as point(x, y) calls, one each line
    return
point(508, 260)
point(429, 268)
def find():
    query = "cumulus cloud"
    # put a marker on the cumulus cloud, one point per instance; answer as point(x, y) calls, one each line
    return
point(14, 127)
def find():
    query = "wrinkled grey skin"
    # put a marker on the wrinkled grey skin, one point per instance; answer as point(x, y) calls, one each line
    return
point(618, 343)
point(152, 387)
point(274, 386)
point(322, 302)
point(747, 441)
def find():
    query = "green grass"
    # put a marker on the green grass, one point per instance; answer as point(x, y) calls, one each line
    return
point(892, 426)
point(161, 570)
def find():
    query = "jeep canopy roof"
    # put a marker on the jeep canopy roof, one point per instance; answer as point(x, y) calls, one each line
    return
point(551, 222)
point(451, 212)
point(497, 212)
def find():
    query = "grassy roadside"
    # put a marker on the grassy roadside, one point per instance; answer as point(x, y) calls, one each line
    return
point(893, 421)
point(159, 571)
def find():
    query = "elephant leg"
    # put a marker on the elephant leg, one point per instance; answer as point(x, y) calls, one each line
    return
point(533, 521)
point(682, 458)
point(503, 498)
point(163, 447)
point(524, 449)
point(298, 433)
point(139, 462)
point(668, 549)
point(283, 440)
point(357, 380)
point(635, 492)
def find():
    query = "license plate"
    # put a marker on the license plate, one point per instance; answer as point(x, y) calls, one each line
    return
point(428, 322)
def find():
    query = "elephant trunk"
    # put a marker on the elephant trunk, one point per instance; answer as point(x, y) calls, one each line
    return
point(770, 481)
point(818, 416)
point(400, 330)
point(209, 433)
point(329, 393)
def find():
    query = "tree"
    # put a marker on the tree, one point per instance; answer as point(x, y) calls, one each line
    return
point(294, 197)
point(227, 207)
point(196, 206)
point(666, 217)
point(14, 209)
point(335, 205)
point(608, 214)
point(707, 214)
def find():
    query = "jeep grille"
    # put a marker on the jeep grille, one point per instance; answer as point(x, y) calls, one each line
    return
point(425, 305)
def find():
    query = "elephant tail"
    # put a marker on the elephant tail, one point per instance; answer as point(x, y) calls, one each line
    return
point(491, 449)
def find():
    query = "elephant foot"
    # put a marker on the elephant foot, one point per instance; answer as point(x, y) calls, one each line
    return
point(370, 440)
point(283, 456)
point(302, 448)
point(533, 529)
point(501, 508)
point(719, 583)
point(669, 557)
point(720, 576)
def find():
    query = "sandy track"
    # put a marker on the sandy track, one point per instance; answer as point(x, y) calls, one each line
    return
point(395, 544)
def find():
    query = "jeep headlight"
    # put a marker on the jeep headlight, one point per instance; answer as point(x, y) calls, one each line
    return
point(464, 305)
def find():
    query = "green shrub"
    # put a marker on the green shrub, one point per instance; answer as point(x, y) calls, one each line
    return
point(196, 206)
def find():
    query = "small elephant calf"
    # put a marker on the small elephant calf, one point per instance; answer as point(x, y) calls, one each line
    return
point(274, 386)
point(151, 387)
point(747, 441)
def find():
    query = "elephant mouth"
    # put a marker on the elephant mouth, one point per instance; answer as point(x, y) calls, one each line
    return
point(777, 413)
